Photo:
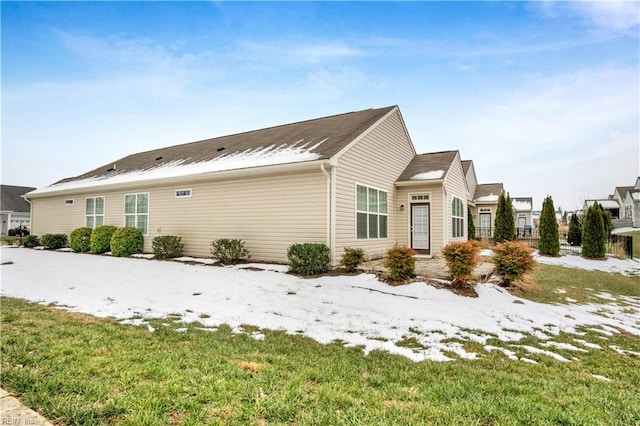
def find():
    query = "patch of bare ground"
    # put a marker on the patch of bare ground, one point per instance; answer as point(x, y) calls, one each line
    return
point(522, 287)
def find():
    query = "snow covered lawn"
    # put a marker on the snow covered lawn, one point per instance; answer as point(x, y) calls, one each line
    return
point(358, 310)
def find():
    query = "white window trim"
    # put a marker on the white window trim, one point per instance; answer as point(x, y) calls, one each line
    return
point(136, 214)
point(183, 190)
point(356, 211)
point(453, 198)
point(94, 215)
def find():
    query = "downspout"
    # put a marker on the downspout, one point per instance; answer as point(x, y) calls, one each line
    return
point(329, 209)
point(23, 196)
point(445, 213)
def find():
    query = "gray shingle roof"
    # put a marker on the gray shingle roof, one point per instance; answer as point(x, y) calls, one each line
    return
point(487, 190)
point(465, 166)
point(335, 132)
point(11, 200)
point(426, 163)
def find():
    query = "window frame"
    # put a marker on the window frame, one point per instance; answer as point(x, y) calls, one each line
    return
point(136, 215)
point(94, 215)
point(457, 221)
point(186, 190)
point(376, 213)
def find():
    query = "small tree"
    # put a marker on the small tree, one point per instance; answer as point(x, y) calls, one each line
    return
point(574, 235)
point(505, 229)
point(549, 243)
point(471, 227)
point(606, 218)
point(594, 239)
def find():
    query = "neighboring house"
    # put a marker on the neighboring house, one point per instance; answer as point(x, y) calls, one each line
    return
point(348, 180)
point(15, 211)
point(485, 200)
point(523, 215)
point(628, 199)
point(608, 205)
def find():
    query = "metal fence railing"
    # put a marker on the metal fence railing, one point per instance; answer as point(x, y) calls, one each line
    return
point(617, 245)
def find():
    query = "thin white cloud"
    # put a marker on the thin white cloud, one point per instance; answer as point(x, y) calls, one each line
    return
point(297, 53)
point(622, 17)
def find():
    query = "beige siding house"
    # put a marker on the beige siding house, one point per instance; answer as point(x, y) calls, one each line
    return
point(346, 180)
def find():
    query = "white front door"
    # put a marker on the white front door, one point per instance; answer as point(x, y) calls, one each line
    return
point(420, 228)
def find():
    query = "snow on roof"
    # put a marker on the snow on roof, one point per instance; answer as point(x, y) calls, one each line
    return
point(607, 204)
point(264, 156)
point(435, 174)
point(521, 205)
point(490, 197)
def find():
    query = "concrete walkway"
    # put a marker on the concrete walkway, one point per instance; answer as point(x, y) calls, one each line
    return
point(13, 412)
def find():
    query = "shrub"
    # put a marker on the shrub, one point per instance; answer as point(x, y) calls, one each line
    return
point(352, 258)
point(505, 228)
point(11, 233)
point(100, 241)
point(549, 243)
point(126, 241)
point(594, 238)
point(513, 260)
point(31, 241)
point(80, 240)
point(167, 246)
point(574, 236)
point(400, 262)
point(461, 258)
point(229, 251)
point(309, 258)
point(54, 241)
point(471, 227)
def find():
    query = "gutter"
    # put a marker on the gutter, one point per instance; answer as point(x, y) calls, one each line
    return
point(329, 209)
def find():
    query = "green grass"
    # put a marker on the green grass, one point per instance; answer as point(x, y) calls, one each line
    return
point(578, 284)
point(77, 369)
point(636, 242)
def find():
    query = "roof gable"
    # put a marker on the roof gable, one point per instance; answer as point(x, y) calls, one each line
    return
point(11, 198)
point(309, 140)
point(430, 166)
point(522, 203)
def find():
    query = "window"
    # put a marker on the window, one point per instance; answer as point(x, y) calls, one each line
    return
point(136, 211)
point(94, 211)
point(371, 213)
point(420, 197)
point(183, 193)
point(457, 218)
point(69, 201)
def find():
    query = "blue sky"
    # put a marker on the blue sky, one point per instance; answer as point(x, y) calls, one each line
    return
point(543, 96)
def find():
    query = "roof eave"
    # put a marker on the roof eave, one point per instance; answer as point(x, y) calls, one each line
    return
point(418, 182)
point(194, 178)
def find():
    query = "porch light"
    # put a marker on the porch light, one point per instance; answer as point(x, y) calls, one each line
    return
point(401, 207)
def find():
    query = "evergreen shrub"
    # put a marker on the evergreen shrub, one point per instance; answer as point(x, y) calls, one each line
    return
point(574, 235)
point(80, 239)
point(594, 238)
point(549, 243)
point(505, 228)
point(100, 241)
point(461, 258)
point(352, 258)
point(513, 260)
point(54, 241)
point(229, 251)
point(309, 258)
point(30, 241)
point(126, 241)
point(167, 247)
point(11, 233)
point(400, 262)
point(471, 227)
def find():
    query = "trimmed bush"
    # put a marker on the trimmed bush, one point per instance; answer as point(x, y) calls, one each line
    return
point(30, 241)
point(54, 241)
point(80, 239)
point(352, 258)
point(100, 241)
point(461, 258)
point(229, 251)
point(126, 241)
point(505, 228)
point(471, 227)
point(513, 260)
point(309, 258)
point(400, 262)
point(167, 247)
point(11, 233)
point(549, 243)
point(574, 236)
point(594, 237)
